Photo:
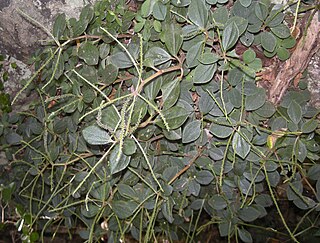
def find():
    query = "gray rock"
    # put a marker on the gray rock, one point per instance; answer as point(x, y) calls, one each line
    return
point(19, 37)
point(313, 79)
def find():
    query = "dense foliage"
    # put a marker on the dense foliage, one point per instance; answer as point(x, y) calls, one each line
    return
point(145, 119)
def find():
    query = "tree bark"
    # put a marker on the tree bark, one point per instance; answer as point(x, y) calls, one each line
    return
point(306, 47)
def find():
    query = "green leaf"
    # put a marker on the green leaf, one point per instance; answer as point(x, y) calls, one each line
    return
point(108, 74)
point(249, 214)
point(53, 151)
point(261, 11)
point(240, 22)
point(90, 210)
point(100, 191)
point(275, 18)
point(217, 202)
point(58, 68)
point(245, 235)
point(34, 237)
point(169, 173)
point(7, 192)
point(283, 53)
point(221, 131)
point(127, 191)
point(278, 124)
point(204, 73)
point(304, 203)
point(216, 153)
point(240, 145)
point(147, 7)
point(209, 58)
point(13, 138)
point(152, 88)
point(282, 31)
point(180, 3)
point(110, 117)
point(220, 16)
point(96, 136)
point(172, 37)
point(230, 36)
point(147, 132)
point(166, 209)
point(89, 53)
point(190, 31)
point(224, 228)
point(59, 25)
point(84, 234)
point(294, 190)
point(227, 107)
point(159, 11)
point(88, 95)
point(120, 60)
point(288, 42)
point(245, 3)
point(204, 177)
point(89, 73)
point(235, 76)
point(206, 103)
point(191, 131)
point(157, 26)
point(268, 41)
point(77, 27)
point(235, 97)
point(193, 188)
point(247, 39)
point(129, 146)
point(175, 117)
point(264, 200)
point(104, 50)
point(294, 112)
point(170, 93)
point(309, 126)
point(118, 161)
point(301, 151)
point(86, 14)
point(172, 134)
point(198, 13)
point(193, 54)
point(249, 56)
point(123, 209)
point(255, 100)
point(267, 110)
point(156, 56)
point(314, 172)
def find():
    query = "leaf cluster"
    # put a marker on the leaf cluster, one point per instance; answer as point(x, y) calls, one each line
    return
point(148, 118)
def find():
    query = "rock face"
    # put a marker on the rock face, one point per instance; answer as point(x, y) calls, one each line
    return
point(314, 80)
point(19, 37)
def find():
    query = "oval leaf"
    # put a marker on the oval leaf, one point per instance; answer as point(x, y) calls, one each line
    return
point(230, 36)
point(191, 131)
point(294, 112)
point(96, 136)
point(268, 41)
point(240, 145)
point(89, 53)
